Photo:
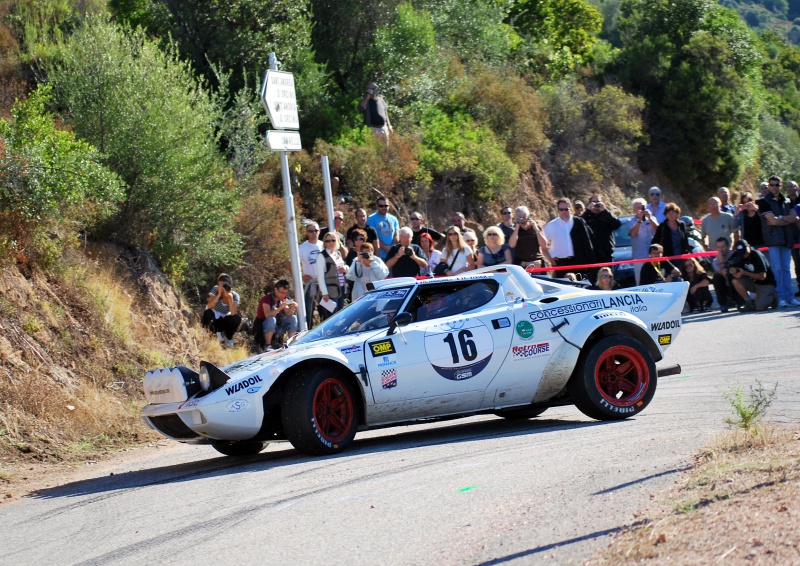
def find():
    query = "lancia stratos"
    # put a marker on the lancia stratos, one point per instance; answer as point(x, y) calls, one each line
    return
point(491, 341)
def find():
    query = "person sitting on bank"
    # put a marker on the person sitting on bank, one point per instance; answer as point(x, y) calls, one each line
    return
point(222, 310)
point(277, 314)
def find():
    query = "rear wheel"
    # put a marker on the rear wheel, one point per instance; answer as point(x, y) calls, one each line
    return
point(521, 413)
point(615, 379)
point(239, 448)
point(318, 412)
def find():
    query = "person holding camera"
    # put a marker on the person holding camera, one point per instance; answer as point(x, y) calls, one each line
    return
point(602, 223)
point(375, 112)
point(222, 310)
point(276, 315)
point(727, 295)
point(526, 240)
point(366, 268)
point(405, 259)
point(750, 273)
point(641, 228)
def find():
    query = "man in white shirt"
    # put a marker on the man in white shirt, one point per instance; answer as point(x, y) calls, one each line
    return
point(309, 250)
point(656, 206)
point(567, 238)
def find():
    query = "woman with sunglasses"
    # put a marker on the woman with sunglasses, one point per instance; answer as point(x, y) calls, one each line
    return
point(496, 251)
point(699, 297)
point(605, 280)
point(457, 255)
point(331, 269)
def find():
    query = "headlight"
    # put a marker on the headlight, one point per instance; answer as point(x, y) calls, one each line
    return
point(205, 379)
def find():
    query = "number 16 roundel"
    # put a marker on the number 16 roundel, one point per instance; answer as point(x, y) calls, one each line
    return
point(459, 350)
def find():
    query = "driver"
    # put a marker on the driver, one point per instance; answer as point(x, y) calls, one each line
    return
point(432, 306)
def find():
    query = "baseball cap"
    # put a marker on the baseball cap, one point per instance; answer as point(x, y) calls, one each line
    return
point(655, 190)
point(741, 245)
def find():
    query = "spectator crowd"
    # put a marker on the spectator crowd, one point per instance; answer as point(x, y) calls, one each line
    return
point(338, 264)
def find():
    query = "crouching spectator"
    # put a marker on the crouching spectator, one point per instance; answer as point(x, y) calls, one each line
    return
point(727, 296)
point(277, 316)
point(222, 310)
point(366, 268)
point(658, 270)
point(750, 273)
point(699, 297)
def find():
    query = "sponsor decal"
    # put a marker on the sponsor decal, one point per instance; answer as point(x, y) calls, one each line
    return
point(237, 405)
point(387, 362)
point(503, 323)
point(453, 325)
point(526, 351)
point(354, 349)
point(668, 325)
point(612, 302)
point(664, 339)
point(243, 384)
point(462, 353)
point(524, 330)
point(603, 315)
point(615, 409)
point(382, 348)
point(159, 391)
point(254, 389)
point(393, 294)
point(190, 403)
point(389, 378)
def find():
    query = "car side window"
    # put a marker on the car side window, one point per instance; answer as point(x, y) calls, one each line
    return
point(439, 301)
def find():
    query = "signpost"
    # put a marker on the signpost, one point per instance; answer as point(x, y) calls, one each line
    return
point(278, 97)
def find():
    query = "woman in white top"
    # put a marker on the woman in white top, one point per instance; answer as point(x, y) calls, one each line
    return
point(456, 254)
point(434, 255)
point(366, 268)
point(330, 274)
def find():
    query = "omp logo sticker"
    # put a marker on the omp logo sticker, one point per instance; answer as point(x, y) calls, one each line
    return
point(382, 348)
point(664, 339)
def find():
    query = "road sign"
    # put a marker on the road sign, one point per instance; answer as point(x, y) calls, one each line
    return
point(278, 98)
point(279, 140)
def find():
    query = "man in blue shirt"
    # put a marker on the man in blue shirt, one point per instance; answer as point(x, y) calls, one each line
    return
point(385, 224)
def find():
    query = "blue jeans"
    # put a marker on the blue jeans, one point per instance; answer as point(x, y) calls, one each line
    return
point(780, 258)
point(287, 324)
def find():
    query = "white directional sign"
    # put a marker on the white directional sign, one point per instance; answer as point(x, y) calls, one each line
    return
point(283, 140)
point(278, 98)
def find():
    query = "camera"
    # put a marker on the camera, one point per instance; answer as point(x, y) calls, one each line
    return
point(227, 287)
point(595, 205)
point(366, 255)
point(409, 251)
point(370, 91)
point(521, 219)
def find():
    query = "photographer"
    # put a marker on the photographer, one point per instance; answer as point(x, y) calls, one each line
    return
point(726, 294)
point(641, 228)
point(222, 310)
point(526, 240)
point(366, 268)
point(375, 113)
point(602, 224)
point(276, 314)
point(750, 273)
point(406, 259)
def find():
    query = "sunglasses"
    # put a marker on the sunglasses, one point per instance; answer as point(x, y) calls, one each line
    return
point(506, 213)
point(606, 276)
point(774, 184)
point(452, 234)
point(312, 230)
point(360, 238)
point(491, 235)
point(383, 206)
point(329, 241)
point(563, 209)
point(416, 219)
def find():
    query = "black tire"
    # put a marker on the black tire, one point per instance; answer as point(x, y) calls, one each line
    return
point(615, 379)
point(239, 448)
point(521, 413)
point(319, 412)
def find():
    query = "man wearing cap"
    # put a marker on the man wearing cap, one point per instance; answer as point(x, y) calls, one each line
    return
point(750, 273)
point(779, 226)
point(656, 206)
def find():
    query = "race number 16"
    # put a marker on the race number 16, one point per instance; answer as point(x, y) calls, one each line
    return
point(468, 350)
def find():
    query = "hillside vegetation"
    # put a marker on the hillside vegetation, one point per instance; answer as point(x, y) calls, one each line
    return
point(136, 122)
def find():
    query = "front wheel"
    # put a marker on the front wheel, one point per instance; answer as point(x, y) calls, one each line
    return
point(319, 413)
point(615, 379)
point(239, 448)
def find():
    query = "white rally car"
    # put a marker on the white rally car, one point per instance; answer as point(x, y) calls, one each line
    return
point(494, 340)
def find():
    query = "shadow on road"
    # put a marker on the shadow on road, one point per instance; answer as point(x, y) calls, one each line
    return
point(406, 438)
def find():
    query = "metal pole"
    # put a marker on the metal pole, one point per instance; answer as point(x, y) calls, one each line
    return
point(326, 182)
point(291, 228)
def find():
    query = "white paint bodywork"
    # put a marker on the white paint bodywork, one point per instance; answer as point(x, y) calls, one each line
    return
point(520, 347)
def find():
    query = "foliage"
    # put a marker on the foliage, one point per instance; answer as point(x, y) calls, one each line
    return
point(51, 184)
point(780, 149)
point(460, 151)
point(156, 125)
point(697, 66)
point(748, 411)
point(561, 33)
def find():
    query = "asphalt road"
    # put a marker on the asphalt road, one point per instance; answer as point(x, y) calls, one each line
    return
point(473, 491)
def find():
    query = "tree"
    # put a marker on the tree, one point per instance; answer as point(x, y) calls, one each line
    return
point(51, 184)
point(155, 124)
point(697, 66)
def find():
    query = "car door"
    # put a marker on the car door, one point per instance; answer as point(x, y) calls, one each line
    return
point(443, 361)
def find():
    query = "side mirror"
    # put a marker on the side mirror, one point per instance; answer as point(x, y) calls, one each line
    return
point(401, 319)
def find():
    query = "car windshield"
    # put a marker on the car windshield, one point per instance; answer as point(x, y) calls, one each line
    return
point(621, 236)
point(373, 311)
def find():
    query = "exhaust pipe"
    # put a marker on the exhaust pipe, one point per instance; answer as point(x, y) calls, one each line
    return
point(669, 370)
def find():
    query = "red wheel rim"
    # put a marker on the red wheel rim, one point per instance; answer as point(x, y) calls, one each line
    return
point(622, 376)
point(333, 410)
